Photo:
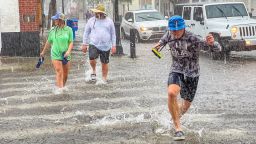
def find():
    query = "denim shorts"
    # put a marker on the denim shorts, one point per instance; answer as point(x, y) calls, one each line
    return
point(94, 53)
point(188, 85)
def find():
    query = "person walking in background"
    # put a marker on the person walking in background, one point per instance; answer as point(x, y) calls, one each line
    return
point(60, 39)
point(184, 75)
point(99, 36)
point(88, 15)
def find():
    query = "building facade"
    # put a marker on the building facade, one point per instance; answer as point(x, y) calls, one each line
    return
point(163, 6)
point(250, 4)
point(20, 27)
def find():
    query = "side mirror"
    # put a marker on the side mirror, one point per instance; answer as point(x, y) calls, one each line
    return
point(250, 14)
point(130, 20)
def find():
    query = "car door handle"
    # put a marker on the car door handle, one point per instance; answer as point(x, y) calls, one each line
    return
point(192, 24)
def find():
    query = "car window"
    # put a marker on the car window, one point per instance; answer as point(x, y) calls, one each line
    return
point(132, 17)
point(198, 14)
point(186, 13)
point(148, 16)
point(225, 10)
point(127, 16)
point(178, 10)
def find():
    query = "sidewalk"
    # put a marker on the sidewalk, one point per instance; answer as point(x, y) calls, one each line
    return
point(10, 64)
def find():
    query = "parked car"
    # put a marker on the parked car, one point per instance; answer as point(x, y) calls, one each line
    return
point(229, 22)
point(149, 24)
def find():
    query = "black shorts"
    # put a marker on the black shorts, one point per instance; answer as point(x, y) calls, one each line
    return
point(188, 85)
point(94, 54)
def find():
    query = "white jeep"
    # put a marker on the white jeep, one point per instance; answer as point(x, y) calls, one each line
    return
point(229, 22)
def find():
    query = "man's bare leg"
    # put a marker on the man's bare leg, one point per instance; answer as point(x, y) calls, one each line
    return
point(93, 65)
point(104, 71)
point(173, 105)
point(184, 106)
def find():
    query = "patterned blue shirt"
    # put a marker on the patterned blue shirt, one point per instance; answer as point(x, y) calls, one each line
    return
point(185, 52)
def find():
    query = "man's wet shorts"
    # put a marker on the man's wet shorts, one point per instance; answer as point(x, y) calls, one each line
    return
point(188, 85)
point(94, 53)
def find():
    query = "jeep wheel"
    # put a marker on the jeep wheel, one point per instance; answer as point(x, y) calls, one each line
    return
point(222, 55)
point(216, 55)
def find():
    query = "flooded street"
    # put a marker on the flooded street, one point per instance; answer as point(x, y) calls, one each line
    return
point(132, 107)
point(38, 106)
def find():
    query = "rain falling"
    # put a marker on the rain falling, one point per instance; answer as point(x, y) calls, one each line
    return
point(123, 59)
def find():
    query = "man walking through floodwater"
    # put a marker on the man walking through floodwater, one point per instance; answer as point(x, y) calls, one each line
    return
point(184, 74)
point(99, 37)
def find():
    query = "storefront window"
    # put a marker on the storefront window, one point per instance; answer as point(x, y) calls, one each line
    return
point(146, 4)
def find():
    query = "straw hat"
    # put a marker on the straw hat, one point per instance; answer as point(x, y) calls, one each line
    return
point(99, 9)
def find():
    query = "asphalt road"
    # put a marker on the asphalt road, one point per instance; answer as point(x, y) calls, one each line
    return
point(132, 107)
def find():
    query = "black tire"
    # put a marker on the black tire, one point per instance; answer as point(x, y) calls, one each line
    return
point(225, 53)
point(215, 55)
point(123, 36)
point(137, 37)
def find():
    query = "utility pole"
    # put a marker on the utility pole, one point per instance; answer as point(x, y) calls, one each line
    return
point(119, 48)
point(51, 12)
point(63, 7)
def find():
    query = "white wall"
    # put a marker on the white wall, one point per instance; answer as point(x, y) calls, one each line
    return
point(135, 5)
point(9, 16)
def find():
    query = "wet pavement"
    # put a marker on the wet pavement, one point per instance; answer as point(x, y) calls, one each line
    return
point(132, 107)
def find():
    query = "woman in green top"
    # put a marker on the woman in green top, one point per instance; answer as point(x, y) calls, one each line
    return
point(60, 39)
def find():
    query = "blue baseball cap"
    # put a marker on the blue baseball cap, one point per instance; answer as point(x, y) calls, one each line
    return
point(58, 15)
point(176, 23)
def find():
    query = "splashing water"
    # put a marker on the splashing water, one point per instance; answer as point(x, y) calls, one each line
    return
point(200, 132)
point(119, 118)
point(89, 72)
point(6, 101)
point(79, 113)
point(99, 80)
point(160, 116)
